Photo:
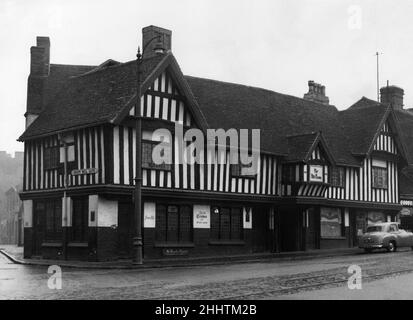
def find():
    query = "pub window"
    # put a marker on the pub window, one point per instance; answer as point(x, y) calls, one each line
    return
point(173, 223)
point(53, 214)
point(241, 170)
point(226, 224)
point(147, 159)
point(332, 222)
point(288, 174)
point(379, 177)
point(338, 178)
point(70, 142)
point(79, 229)
point(51, 157)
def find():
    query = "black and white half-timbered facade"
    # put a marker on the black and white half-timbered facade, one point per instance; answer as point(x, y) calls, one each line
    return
point(322, 174)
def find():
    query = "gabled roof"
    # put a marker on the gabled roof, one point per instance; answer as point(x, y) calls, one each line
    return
point(300, 147)
point(362, 123)
point(228, 105)
point(92, 98)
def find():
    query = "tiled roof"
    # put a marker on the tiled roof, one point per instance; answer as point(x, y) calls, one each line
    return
point(405, 120)
point(228, 105)
point(90, 98)
point(361, 122)
point(299, 146)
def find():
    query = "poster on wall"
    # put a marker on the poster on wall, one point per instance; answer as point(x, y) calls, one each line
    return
point(149, 209)
point(247, 215)
point(316, 173)
point(202, 216)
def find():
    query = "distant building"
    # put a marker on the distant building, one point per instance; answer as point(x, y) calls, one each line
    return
point(11, 224)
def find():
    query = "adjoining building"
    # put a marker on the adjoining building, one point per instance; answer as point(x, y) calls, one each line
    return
point(323, 175)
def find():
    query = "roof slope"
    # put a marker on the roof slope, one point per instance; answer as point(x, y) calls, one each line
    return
point(228, 105)
point(361, 122)
point(91, 98)
point(405, 120)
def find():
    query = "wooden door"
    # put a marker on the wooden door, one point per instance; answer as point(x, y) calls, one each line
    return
point(125, 228)
point(39, 225)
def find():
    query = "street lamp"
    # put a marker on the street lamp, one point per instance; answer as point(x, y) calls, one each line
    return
point(137, 240)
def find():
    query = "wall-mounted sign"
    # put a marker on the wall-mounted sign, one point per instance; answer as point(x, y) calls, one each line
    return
point(175, 252)
point(149, 214)
point(316, 173)
point(79, 172)
point(202, 216)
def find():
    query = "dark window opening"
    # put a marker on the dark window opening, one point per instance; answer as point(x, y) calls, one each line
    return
point(338, 177)
point(379, 177)
point(51, 158)
point(226, 224)
point(173, 223)
point(51, 210)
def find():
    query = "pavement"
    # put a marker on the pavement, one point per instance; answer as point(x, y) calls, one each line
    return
point(15, 254)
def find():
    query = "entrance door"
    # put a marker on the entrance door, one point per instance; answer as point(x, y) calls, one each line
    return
point(289, 230)
point(125, 228)
point(312, 229)
point(39, 222)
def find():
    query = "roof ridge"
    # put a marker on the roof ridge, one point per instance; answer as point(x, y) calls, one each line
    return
point(263, 89)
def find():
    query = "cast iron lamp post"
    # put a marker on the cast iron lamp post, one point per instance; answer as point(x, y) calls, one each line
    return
point(137, 240)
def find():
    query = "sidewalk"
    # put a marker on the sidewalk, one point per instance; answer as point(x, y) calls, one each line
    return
point(15, 254)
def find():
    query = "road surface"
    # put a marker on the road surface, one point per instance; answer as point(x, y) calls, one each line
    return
point(384, 275)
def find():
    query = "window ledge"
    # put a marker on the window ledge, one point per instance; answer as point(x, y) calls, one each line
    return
point(174, 245)
point(51, 244)
point(227, 243)
point(78, 244)
point(333, 238)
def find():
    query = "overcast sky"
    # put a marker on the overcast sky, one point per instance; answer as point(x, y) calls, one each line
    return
point(274, 44)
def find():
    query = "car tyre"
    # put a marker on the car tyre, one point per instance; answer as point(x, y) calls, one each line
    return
point(392, 246)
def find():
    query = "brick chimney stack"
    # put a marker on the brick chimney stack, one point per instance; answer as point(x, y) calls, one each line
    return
point(39, 71)
point(148, 33)
point(393, 95)
point(317, 93)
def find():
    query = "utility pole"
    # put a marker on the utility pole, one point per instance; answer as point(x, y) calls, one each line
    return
point(378, 78)
point(137, 240)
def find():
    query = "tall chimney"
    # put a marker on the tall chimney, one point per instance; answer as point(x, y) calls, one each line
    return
point(149, 44)
point(393, 95)
point(39, 71)
point(317, 93)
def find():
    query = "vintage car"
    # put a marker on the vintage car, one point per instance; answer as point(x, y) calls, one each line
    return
point(385, 235)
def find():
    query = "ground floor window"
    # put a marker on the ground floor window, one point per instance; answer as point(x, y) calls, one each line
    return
point(79, 229)
point(48, 219)
point(226, 223)
point(173, 223)
point(332, 222)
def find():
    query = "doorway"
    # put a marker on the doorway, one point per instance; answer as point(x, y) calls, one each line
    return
point(125, 228)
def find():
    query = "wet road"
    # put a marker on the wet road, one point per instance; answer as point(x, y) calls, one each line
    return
point(263, 280)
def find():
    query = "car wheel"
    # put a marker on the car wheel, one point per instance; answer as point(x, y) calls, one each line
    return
point(391, 247)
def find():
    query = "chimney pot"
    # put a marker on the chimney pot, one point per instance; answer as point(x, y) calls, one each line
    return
point(317, 93)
